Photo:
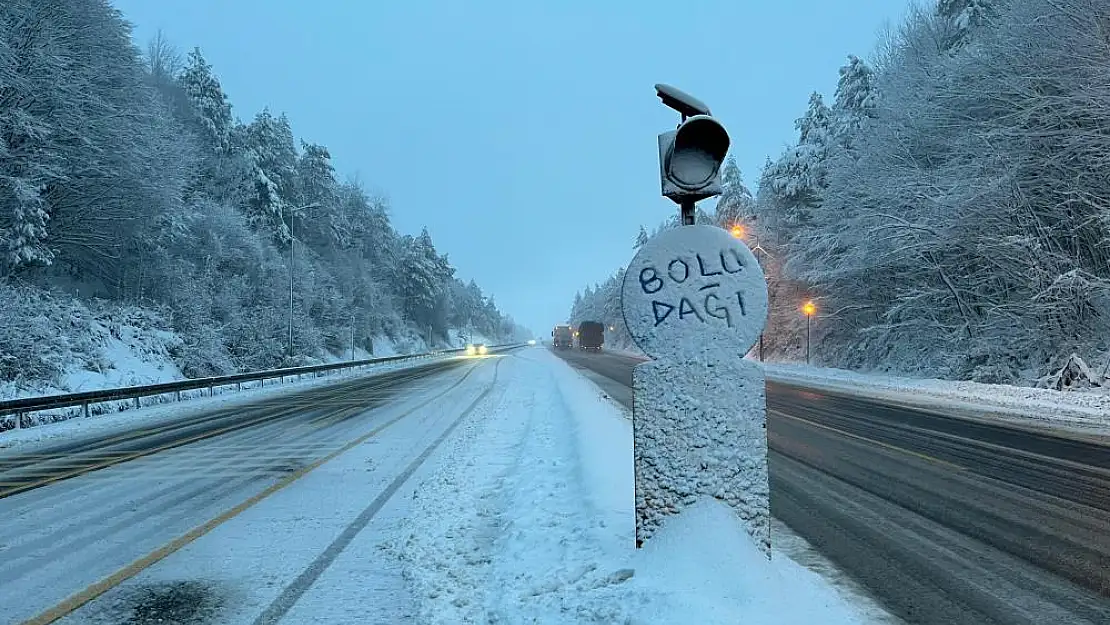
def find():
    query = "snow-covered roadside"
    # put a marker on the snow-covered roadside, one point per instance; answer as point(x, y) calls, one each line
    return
point(1082, 410)
point(529, 518)
point(194, 401)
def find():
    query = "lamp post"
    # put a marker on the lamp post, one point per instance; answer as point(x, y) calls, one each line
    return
point(809, 309)
point(292, 245)
point(738, 231)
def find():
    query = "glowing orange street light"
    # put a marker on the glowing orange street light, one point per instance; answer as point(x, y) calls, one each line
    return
point(737, 231)
point(809, 309)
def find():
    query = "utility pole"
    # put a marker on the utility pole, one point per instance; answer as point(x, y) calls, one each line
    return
point(292, 244)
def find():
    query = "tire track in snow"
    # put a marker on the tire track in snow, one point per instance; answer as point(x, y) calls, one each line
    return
point(289, 596)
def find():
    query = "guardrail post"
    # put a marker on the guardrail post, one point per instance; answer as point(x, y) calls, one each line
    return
point(85, 409)
point(178, 394)
point(137, 403)
point(18, 420)
point(211, 391)
point(238, 386)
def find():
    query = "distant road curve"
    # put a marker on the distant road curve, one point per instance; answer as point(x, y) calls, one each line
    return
point(945, 520)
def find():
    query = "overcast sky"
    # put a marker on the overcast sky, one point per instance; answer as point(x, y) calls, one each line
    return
point(521, 133)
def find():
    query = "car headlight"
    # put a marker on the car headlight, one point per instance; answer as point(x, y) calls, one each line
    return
point(483, 350)
point(470, 350)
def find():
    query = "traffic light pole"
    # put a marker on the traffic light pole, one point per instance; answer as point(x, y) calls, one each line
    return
point(688, 212)
point(696, 321)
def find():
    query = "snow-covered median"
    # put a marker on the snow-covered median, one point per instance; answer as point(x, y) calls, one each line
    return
point(1077, 409)
point(529, 519)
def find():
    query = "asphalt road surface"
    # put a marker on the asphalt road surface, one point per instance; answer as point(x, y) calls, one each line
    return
point(82, 517)
point(944, 520)
point(27, 471)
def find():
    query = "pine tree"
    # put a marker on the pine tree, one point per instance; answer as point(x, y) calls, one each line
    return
point(798, 178)
point(967, 16)
point(856, 100)
point(641, 238)
point(210, 103)
point(272, 159)
point(735, 203)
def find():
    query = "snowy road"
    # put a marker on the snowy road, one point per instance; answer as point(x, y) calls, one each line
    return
point(497, 490)
point(160, 525)
point(946, 520)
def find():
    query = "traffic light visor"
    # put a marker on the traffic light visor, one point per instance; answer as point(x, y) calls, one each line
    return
point(700, 146)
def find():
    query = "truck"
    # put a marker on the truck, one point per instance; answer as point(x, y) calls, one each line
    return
point(591, 336)
point(562, 337)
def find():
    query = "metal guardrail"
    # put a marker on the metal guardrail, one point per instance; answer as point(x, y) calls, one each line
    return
point(25, 406)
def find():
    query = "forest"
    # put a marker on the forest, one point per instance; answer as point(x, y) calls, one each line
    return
point(949, 211)
point(132, 195)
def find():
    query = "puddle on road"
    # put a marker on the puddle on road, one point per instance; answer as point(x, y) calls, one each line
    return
point(186, 602)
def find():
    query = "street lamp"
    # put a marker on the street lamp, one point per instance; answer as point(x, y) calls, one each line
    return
point(292, 244)
point(809, 309)
point(738, 231)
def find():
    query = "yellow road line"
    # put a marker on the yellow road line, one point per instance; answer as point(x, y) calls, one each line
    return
point(220, 412)
point(873, 441)
point(75, 601)
point(89, 468)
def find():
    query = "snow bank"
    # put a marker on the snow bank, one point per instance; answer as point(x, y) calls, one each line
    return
point(529, 519)
point(91, 349)
point(132, 357)
point(1077, 409)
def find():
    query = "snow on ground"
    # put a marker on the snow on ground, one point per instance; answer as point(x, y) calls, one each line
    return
point(193, 401)
point(1076, 409)
point(529, 519)
point(128, 363)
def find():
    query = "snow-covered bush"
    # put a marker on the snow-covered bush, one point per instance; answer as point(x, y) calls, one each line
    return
point(40, 335)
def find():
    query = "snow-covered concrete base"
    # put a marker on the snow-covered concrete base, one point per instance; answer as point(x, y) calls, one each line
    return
point(529, 518)
point(701, 433)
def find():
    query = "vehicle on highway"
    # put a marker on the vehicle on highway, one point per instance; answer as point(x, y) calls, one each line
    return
point(477, 349)
point(562, 337)
point(591, 336)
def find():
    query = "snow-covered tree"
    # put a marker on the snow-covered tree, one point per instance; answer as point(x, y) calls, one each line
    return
point(210, 104)
point(272, 157)
point(856, 100)
point(122, 177)
point(735, 203)
point(967, 16)
point(795, 183)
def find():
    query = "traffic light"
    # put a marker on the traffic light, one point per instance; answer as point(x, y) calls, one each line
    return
point(691, 156)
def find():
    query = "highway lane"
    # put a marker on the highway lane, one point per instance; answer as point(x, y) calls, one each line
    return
point(85, 510)
point(23, 471)
point(944, 519)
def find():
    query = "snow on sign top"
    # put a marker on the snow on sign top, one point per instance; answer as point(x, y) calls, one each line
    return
point(693, 290)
